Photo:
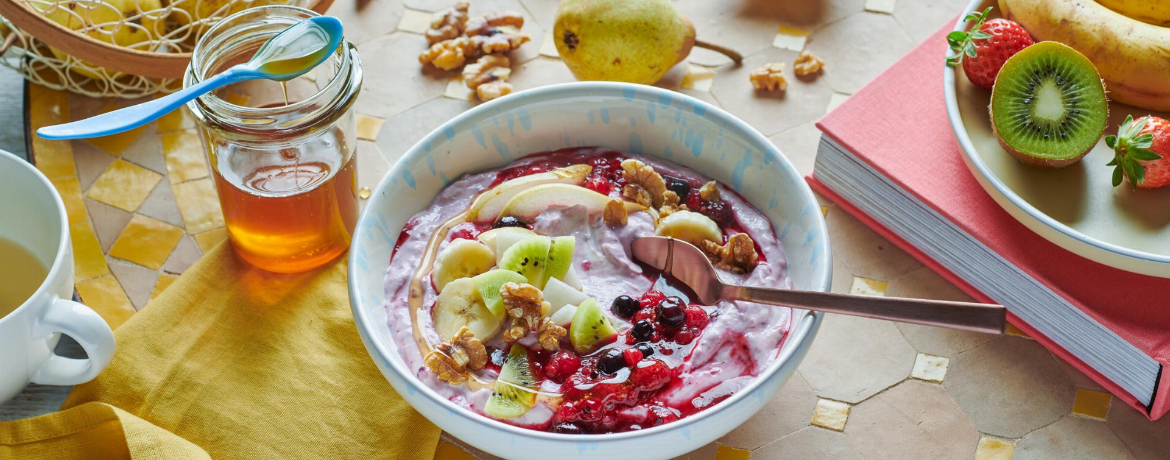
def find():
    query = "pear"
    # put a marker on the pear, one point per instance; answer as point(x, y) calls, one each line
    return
point(635, 41)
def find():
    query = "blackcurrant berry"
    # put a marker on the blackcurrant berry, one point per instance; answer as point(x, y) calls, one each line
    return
point(625, 306)
point(511, 221)
point(672, 312)
point(642, 330)
point(611, 362)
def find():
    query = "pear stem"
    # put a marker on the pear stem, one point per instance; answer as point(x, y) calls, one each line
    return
point(730, 53)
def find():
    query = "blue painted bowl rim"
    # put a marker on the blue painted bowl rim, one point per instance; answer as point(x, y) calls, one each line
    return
point(804, 331)
point(968, 150)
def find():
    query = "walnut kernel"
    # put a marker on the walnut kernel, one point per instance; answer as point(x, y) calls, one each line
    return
point(615, 212)
point(643, 175)
point(525, 304)
point(451, 360)
point(738, 255)
point(487, 69)
point(448, 24)
point(489, 24)
point(492, 90)
point(637, 194)
point(709, 192)
point(807, 64)
point(769, 77)
point(551, 334)
point(449, 54)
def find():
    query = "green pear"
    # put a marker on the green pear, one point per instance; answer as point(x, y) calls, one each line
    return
point(635, 41)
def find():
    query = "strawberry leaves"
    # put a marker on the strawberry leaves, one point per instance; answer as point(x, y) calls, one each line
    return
point(1130, 146)
point(963, 43)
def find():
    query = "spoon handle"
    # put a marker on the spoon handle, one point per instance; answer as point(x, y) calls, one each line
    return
point(122, 120)
point(978, 317)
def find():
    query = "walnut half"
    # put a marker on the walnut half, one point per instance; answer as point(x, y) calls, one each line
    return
point(616, 213)
point(451, 360)
point(737, 256)
point(769, 77)
point(551, 334)
point(644, 176)
point(807, 64)
point(448, 24)
point(525, 304)
point(487, 76)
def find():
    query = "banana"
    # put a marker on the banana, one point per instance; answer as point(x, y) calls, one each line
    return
point(461, 259)
point(1156, 12)
point(459, 305)
point(1133, 57)
point(689, 226)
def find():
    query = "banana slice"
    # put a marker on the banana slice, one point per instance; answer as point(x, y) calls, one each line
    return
point(461, 259)
point(459, 305)
point(689, 226)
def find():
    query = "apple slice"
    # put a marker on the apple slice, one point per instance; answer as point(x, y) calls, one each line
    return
point(533, 201)
point(488, 204)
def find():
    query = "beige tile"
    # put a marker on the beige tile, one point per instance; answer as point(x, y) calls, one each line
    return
point(146, 242)
point(706, 452)
point(1078, 378)
point(414, 21)
point(124, 185)
point(748, 27)
point(372, 165)
point(368, 127)
point(1009, 387)
point(199, 205)
point(114, 144)
point(842, 279)
point(105, 296)
point(185, 254)
point(1072, 438)
point(137, 281)
point(866, 253)
point(830, 414)
point(1092, 404)
point(803, 102)
point(800, 146)
point(146, 151)
point(854, 358)
point(914, 420)
point(178, 119)
point(108, 222)
point(921, 18)
point(184, 156)
point(866, 286)
point(398, 63)
point(994, 449)
point(210, 239)
point(548, 46)
point(698, 78)
point(790, 38)
point(165, 280)
point(458, 90)
point(70, 190)
point(786, 413)
point(88, 260)
point(401, 132)
point(1145, 439)
point(835, 100)
point(930, 368)
point(540, 72)
point(924, 283)
point(91, 162)
point(730, 453)
point(880, 6)
point(809, 443)
point(877, 37)
point(161, 205)
point(367, 20)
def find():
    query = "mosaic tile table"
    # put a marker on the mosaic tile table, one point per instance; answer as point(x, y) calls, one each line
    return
point(142, 209)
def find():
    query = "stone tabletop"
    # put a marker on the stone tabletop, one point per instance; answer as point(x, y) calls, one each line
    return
point(142, 209)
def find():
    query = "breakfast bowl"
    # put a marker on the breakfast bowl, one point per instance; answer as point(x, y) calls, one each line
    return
point(654, 124)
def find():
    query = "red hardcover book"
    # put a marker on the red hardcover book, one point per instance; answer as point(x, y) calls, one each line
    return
point(894, 134)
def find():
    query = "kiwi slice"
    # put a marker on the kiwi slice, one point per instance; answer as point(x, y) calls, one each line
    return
point(1048, 105)
point(590, 327)
point(488, 284)
point(560, 258)
point(515, 389)
point(528, 257)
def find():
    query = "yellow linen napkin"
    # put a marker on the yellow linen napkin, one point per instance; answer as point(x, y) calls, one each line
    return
point(234, 362)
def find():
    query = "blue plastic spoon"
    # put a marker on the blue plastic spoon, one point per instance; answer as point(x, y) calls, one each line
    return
point(289, 54)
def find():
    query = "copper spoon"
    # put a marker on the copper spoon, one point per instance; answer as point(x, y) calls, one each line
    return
point(689, 265)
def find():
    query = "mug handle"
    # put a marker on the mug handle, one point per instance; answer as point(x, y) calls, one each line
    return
point(86, 327)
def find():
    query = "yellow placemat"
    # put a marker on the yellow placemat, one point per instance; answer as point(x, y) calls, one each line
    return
point(234, 362)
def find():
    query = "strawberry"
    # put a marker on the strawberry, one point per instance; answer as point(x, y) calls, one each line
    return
point(984, 49)
point(1141, 149)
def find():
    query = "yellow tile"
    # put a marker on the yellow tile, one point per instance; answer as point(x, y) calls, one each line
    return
point(105, 296)
point(164, 281)
point(209, 239)
point(173, 121)
point(835, 100)
point(368, 127)
point(548, 47)
point(1013, 330)
point(47, 106)
point(930, 367)
point(731, 453)
point(994, 449)
point(414, 21)
point(88, 260)
point(1093, 404)
point(115, 144)
point(831, 414)
point(448, 451)
point(184, 154)
point(70, 190)
point(146, 242)
point(53, 158)
point(698, 78)
point(880, 6)
point(457, 90)
point(198, 205)
point(790, 38)
point(124, 185)
point(235, 98)
point(824, 211)
point(866, 286)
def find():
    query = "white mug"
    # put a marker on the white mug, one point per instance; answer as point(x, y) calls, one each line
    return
point(33, 216)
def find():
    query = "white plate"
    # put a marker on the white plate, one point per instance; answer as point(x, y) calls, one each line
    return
point(1075, 207)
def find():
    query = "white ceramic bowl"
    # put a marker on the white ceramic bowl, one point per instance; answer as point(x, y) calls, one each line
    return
point(630, 118)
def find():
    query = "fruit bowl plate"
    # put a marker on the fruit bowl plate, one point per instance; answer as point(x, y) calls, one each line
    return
point(1075, 207)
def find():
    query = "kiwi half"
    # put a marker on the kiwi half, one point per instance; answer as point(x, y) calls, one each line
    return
point(1048, 105)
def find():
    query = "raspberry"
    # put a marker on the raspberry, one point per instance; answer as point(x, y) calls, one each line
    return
point(650, 375)
point(561, 365)
point(632, 356)
point(598, 184)
point(652, 298)
point(694, 202)
point(685, 336)
point(697, 317)
point(567, 428)
point(718, 211)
